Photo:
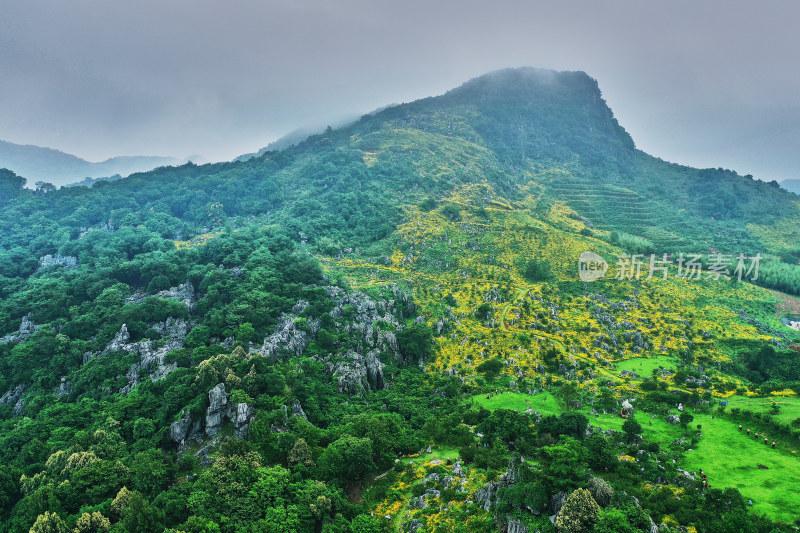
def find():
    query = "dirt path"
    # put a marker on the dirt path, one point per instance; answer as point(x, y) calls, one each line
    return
point(786, 305)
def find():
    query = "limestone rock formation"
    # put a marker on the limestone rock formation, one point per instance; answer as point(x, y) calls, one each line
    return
point(241, 420)
point(151, 353)
point(297, 410)
point(217, 410)
point(27, 328)
point(65, 261)
point(14, 397)
point(183, 293)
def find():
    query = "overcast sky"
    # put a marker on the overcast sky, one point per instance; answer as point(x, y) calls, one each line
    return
point(705, 83)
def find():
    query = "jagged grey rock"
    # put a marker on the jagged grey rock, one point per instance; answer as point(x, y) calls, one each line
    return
point(241, 420)
point(414, 525)
point(515, 526)
point(66, 261)
point(19, 407)
point(287, 338)
point(64, 388)
point(355, 373)
point(434, 477)
point(183, 293)
point(557, 501)
point(151, 353)
point(217, 409)
point(12, 396)
point(297, 410)
point(26, 330)
point(179, 429)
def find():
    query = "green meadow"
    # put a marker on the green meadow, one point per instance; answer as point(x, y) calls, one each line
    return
point(644, 366)
point(771, 478)
point(731, 459)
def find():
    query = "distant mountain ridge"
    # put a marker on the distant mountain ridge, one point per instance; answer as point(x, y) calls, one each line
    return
point(792, 185)
point(36, 163)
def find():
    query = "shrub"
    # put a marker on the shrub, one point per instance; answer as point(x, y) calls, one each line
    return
point(579, 513)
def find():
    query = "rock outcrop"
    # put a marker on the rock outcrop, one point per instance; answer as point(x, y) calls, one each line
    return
point(151, 353)
point(183, 293)
point(297, 410)
point(186, 428)
point(65, 261)
point(14, 397)
point(356, 373)
point(217, 409)
point(241, 420)
point(368, 327)
point(26, 330)
point(289, 339)
point(64, 388)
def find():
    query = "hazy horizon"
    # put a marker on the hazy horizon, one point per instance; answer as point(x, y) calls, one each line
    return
point(692, 84)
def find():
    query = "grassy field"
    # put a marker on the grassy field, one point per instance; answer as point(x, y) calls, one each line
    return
point(728, 457)
point(437, 452)
point(543, 402)
point(789, 406)
point(644, 366)
point(732, 460)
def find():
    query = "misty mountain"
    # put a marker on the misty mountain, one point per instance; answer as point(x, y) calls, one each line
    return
point(296, 136)
point(362, 331)
point(36, 163)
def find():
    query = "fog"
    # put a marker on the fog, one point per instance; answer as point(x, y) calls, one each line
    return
point(703, 83)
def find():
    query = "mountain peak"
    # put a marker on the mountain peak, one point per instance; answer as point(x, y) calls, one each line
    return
point(532, 113)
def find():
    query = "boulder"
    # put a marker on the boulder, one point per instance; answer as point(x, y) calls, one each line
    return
point(557, 501)
point(179, 429)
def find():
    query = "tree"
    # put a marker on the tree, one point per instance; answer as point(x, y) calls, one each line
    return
point(601, 491)
point(613, 520)
point(570, 424)
point(44, 187)
point(568, 394)
point(92, 523)
point(415, 342)
point(491, 368)
point(245, 334)
point(347, 459)
point(300, 455)
point(49, 523)
point(365, 524)
point(536, 271)
point(135, 513)
point(600, 453)
point(579, 513)
point(564, 464)
point(685, 419)
point(10, 183)
point(632, 429)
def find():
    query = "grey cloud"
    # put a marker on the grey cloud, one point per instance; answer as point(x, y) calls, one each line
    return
point(692, 81)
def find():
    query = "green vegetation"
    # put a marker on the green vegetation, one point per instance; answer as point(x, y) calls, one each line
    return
point(644, 366)
point(273, 345)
